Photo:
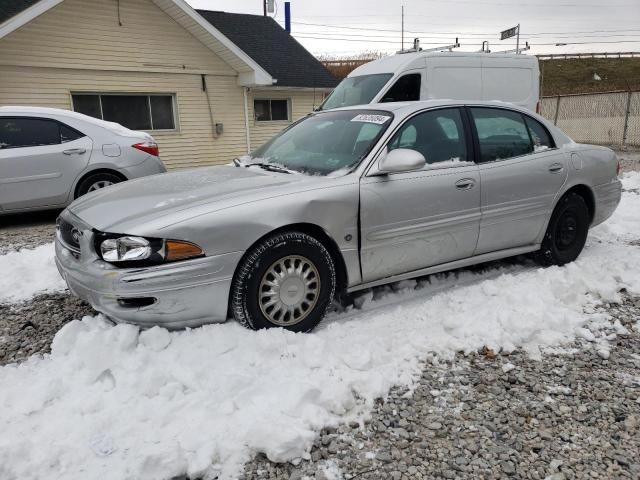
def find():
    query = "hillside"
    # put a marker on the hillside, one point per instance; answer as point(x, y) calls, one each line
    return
point(576, 75)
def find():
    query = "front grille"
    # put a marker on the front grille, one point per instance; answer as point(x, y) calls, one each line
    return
point(69, 236)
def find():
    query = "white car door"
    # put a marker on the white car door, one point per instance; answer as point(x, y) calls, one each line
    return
point(413, 220)
point(39, 161)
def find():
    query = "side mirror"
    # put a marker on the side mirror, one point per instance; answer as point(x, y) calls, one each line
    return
point(401, 160)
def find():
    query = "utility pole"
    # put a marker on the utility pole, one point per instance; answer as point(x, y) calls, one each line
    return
point(518, 40)
point(402, 46)
point(264, 7)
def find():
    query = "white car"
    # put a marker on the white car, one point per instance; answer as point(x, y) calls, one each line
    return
point(49, 157)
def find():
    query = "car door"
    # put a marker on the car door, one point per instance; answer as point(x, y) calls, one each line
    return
point(412, 220)
point(521, 172)
point(39, 160)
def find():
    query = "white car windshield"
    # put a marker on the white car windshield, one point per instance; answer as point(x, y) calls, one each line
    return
point(358, 90)
point(324, 143)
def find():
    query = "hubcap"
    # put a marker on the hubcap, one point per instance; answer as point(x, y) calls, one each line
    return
point(98, 185)
point(289, 290)
point(566, 230)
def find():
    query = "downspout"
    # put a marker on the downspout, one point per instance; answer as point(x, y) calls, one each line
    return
point(246, 119)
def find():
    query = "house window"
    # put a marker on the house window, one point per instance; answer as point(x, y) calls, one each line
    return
point(271, 110)
point(137, 112)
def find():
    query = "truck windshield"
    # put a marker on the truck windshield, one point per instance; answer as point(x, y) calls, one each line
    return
point(356, 90)
point(323, 143)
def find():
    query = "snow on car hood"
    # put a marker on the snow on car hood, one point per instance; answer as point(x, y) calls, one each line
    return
point(130, 204)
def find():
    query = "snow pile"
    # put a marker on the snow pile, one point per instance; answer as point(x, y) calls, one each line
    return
point(28, 272)
point(114, 402)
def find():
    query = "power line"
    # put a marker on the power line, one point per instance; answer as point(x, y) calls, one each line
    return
point(458, 33)
point(427, 43)
point(461, 36)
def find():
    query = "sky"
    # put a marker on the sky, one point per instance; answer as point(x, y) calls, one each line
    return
point(345, 28)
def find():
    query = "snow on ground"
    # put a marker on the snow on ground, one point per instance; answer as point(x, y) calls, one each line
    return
point(28, 272)
point(114, 402)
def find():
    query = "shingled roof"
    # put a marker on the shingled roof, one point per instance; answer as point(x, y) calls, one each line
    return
point(271, 47)
point(10, 8)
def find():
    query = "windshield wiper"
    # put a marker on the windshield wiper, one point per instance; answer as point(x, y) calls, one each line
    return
point(271, 167)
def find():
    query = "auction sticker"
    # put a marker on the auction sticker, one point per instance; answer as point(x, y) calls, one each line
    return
point(369, 118)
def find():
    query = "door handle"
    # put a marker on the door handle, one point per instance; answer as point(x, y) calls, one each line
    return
point(465, 184)
point(555, 168)
point(72, 151)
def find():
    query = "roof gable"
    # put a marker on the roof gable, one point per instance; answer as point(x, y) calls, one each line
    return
point(272, 48)
point(16, 13)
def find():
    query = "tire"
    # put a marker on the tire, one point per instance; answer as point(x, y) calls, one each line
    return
point(257, 283)
point(566, 233)
point(89, 183)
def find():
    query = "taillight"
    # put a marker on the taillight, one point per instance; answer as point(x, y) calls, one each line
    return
point(538, 107)
point(148, 147)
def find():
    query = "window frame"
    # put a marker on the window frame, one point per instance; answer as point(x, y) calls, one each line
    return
point(270, 99)
point(56, 121)
point(371, 169)
point(523, 115)
point(174, 106)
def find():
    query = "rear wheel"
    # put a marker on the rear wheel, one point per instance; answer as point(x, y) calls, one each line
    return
point(96, 182)
point(288, 281)
point(567, 231)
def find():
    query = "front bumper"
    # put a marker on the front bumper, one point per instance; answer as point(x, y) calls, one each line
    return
point(185, 294)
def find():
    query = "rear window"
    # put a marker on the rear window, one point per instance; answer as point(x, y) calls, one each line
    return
point(356, 90)
point(17, 132)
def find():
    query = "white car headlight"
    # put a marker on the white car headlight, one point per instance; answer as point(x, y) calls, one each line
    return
point(151, 251)
point(125, 249)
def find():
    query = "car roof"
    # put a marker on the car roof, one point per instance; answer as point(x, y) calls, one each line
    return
point(61, 114)
point(396, 63)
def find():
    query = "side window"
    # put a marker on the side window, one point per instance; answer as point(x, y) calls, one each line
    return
point(437, 134)
point(502, 134)
point(18, 132)
point(68, 134)
point(540, 136)
point(406, 89)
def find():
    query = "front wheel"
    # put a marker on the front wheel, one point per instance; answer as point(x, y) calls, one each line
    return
point(288, 280)
point(567, 231)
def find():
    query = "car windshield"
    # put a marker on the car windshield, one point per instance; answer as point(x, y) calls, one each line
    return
point(356, 91)
point(324, 143)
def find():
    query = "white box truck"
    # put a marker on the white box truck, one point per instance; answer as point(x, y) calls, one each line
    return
point(441, 75)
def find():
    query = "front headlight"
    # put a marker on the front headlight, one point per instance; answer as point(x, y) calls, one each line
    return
point(139, 250)
point(125, 248)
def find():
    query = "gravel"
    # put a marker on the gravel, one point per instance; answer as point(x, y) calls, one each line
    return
point(566, 416)
point(27, 230)
point(28, 328)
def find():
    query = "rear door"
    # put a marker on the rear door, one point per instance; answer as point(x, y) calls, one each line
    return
point(39, 160)
point(413, 220)
point(521, 171)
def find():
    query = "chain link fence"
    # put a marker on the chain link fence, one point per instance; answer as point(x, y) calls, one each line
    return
point(597, 118)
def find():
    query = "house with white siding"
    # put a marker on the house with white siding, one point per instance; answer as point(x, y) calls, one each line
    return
point(209, 86)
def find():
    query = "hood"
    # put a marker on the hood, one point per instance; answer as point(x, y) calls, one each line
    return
point(123, 207)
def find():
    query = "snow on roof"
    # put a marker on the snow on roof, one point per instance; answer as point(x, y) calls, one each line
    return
point(59, 112)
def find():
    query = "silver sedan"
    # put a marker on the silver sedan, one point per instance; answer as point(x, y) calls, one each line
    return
point(343, 200)
point(49, 157)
